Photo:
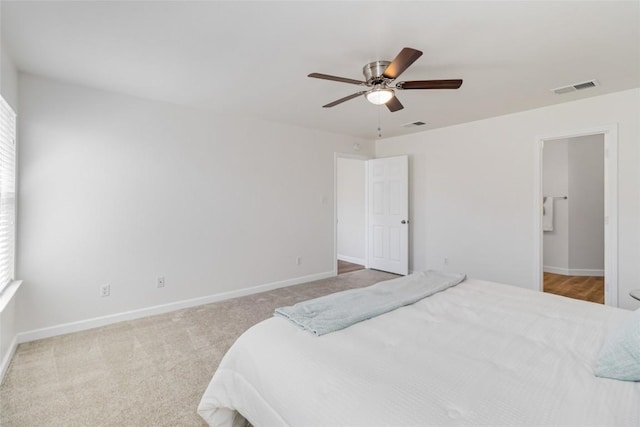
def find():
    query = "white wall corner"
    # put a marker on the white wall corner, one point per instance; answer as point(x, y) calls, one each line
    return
point(6, 360)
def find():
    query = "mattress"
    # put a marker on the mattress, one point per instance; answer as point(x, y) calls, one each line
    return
point(479, 353)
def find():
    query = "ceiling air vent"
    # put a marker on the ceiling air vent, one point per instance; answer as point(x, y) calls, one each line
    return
point(575, 87)
point(413, 124)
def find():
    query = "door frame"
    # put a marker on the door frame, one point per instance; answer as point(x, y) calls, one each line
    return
point(364, 158)
point(610, 133)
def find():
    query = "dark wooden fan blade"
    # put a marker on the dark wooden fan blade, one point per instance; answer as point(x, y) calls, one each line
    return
point(346, 98)
point(336, 79)
point(405, 58)
point(430, 84)
point(394, 104)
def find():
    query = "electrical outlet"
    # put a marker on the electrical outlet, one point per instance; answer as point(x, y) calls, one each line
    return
point(446, 261)
point(105, 290)
point(298, 261)
point(160, 281)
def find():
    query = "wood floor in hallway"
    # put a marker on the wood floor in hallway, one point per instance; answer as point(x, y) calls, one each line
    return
point(587, 288)
point(348, 267)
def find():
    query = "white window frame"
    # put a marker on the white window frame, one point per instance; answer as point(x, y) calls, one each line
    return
point(7, 194)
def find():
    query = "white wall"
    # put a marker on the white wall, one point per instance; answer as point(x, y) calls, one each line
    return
point(351, 210)
point(586, 204)
point(120, 190)
point(473, 189)
point(555, 182)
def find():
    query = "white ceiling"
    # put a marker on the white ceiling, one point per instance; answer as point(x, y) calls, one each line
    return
point(252, 58)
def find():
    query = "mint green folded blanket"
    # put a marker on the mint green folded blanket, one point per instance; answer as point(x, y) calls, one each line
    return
point(342, 309)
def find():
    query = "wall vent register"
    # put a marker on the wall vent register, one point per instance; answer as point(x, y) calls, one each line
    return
point(574, 87)
point(414, 124)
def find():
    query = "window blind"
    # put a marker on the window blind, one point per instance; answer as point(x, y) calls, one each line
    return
point(7, 193)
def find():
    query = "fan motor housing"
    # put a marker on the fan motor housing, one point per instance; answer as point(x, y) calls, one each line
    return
point(373, 71)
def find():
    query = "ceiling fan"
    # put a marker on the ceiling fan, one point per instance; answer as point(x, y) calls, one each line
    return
point(379, 77)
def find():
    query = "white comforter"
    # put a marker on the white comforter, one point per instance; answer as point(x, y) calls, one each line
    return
point(479, 353)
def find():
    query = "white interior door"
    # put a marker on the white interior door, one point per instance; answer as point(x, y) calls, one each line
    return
point(388, 210)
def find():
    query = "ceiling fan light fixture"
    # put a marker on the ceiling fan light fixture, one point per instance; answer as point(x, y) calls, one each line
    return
point(378, 96)
point(379, 81)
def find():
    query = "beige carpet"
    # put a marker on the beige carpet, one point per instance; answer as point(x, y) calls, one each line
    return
point(146, 372)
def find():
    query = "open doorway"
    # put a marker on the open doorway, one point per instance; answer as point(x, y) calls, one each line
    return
point(573, 217)
point(371, 227)
point(350, 214)
point(577, 211)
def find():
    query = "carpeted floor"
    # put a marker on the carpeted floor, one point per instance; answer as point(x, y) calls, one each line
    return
point(146, 372)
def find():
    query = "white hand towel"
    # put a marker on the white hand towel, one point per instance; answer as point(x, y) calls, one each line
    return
point(547, 214)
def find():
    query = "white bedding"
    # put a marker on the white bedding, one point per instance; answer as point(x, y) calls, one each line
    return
point(479, 353)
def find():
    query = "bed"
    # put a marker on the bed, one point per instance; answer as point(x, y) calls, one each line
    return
point(479, 353)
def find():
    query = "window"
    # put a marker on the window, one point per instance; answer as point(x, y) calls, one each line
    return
point(7, 193)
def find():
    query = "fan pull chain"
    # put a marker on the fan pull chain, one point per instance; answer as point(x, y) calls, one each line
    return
point(379, 128)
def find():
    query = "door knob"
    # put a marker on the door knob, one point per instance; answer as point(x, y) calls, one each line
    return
point(404, 222)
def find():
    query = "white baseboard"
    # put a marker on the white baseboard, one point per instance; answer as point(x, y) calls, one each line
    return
point(556, 270)
point(351, 259)
point(6, 360)
point(573, 271)
point(96, 322)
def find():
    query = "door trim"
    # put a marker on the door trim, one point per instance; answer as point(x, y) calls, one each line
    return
point(336, 156)
point(610, 133)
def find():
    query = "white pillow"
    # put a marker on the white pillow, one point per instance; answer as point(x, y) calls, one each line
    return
point(619, 357)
